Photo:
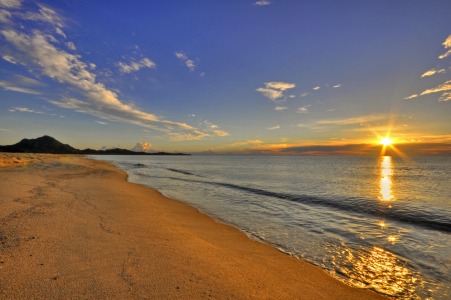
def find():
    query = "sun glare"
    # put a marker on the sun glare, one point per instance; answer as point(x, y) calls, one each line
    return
point(386, 141)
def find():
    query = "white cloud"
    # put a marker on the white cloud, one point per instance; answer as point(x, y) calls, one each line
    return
point(4, 16)
point(202, 74)
point(303, 109)
point(410, 97)
point(262, 2)
point(432, 72)
point(135, 66)
point(275, 127)
point(274, 90)
point(337, 86)
point(103, 123)
point(316, 88)
point(280, 108)
point(71, 46)
point(10, 3)
point(9, 59)
point(67, 68)
point(46, 14)
point(270, 93)
point(304, 94)
point(142, 147)
point(292, 96)
point(279, 85)
point(209, 124)
point(191, 64)
point(24, 109)
point(60, 32)
point(181, 55)
point(332, 109)
point(93, 97)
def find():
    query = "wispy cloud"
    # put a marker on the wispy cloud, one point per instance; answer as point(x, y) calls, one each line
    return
point(245, 143)
point(135, 66)
point(445, 97)
point(10, 59)
point(432, 72)
point(46, 15)
point(332, 109)
point(191, 64)
point(316, 88)
point(304, 94)
point(8, 86)
point(303, 109)
point(28, 81)
point(275, 127)
point(410, 97)
point(280, 108)
point(41, 56)
point(103, 123)
point(447, 44)
point(262, 2)
point(274, 90)
point(337, 86)
point(357, 120)
point(71, 46)
point(10, 3)
point(24, 109)
point(210, 125)
point(443, 87)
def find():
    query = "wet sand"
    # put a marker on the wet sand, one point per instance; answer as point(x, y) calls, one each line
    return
point(74, 228)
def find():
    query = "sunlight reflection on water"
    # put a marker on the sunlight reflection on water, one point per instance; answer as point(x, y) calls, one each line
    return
point(386, 178)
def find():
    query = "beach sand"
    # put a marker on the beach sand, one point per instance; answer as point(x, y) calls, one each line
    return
point(74, 228)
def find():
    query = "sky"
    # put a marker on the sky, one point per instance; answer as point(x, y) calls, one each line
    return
point(228, 77)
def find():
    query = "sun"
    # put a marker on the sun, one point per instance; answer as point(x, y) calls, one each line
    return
point(386, 141)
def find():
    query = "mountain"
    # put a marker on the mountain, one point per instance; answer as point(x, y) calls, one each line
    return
point(47, 144)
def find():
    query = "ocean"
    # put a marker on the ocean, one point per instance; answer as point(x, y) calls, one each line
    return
point(378, 223)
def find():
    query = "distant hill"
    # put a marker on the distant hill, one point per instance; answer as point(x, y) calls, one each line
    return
point(47, 144)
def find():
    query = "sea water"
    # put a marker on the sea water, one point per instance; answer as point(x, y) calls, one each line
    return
point(377, 223)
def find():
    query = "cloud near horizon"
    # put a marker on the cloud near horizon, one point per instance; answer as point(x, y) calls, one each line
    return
point(142, 147)
point(37, 52)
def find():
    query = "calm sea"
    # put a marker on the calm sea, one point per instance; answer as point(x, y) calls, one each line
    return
point(377, 223)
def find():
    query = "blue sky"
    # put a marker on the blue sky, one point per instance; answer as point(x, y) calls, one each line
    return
point(274, 77)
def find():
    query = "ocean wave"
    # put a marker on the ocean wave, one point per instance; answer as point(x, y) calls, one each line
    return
point(375, 208)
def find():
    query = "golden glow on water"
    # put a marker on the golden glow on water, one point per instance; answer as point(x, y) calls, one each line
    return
point(386, 179)
point(382, 270)
point(392, 238)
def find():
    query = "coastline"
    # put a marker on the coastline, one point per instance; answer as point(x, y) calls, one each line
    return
point(73, 227)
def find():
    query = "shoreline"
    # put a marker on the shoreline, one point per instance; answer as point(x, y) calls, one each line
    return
point(74, 227)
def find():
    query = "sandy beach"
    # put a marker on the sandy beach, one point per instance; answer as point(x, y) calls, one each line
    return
point(74, 228)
